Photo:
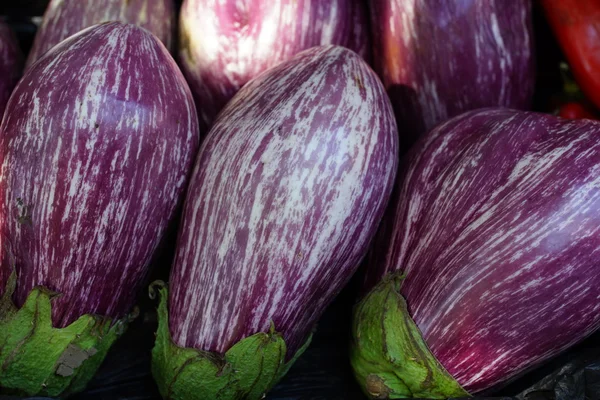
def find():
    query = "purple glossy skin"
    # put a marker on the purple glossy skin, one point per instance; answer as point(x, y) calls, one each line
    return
point(96, 147)
point(439, 58)
point(287, 193)
point(225, 43)
point(497, 227)
point(64, 18)
point(11, 63)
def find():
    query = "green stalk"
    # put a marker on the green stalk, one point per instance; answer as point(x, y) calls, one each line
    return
point(388, 354)
point(247, 370)
point(37, 359)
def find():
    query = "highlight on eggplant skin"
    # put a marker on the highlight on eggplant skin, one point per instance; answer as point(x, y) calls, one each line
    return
point(438, 59)
point(96, 147)
point(226, 43)
point(64, 18)
point(496, 227)
point(11, 63)
point(287, 192)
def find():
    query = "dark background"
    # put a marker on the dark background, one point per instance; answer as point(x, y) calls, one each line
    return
point(323, 372)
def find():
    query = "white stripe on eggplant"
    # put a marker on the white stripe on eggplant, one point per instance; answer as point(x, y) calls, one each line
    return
point(422, 46)
point(287, 191)
point(64, 18)
point(91, 177)
point(496, 226)
point(225, 43)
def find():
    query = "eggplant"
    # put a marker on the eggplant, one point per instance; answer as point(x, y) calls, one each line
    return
point(96, 147)
point(286, 195)
point(225, 43)
point(11, 60)
point(64, 18)
point(438, 59)
point(488, 262)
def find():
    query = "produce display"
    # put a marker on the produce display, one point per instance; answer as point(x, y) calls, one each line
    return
point(11, 61)
point(93, 166)
point(224, 44)
point(438, 59)
point(287, 192)
point(64, 18)
point(486, 262)
point(195, 193)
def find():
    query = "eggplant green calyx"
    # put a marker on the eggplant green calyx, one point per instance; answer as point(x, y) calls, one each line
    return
point(37, 359)
point(388, 354)
point(246, 371)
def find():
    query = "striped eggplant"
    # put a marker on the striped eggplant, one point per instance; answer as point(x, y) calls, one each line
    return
point(440, 58)
point(286, 195)
point(225, 43)
point(95, 152)
point(11, 61)
point(64, 18)
point(495, 228)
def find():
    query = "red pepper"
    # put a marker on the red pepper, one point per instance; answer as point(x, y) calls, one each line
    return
point(574, 110)
point(576, 25)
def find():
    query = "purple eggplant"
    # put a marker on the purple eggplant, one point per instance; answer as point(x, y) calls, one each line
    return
point(96, 149)
point(11, 61)
point(64, 18)
point(440, 58)
point(224, 44)
point(288, 190)
point(496, 229)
